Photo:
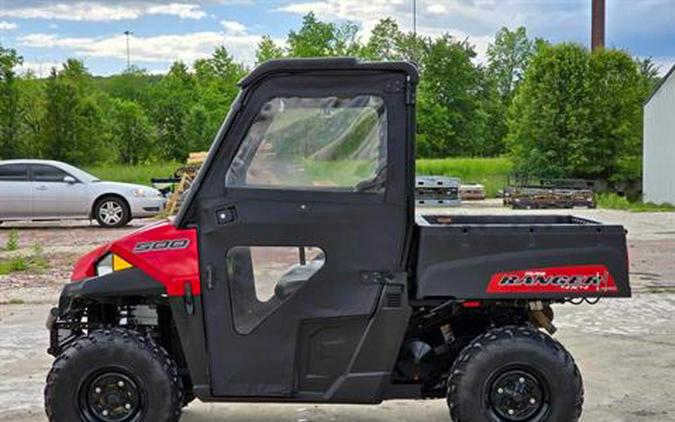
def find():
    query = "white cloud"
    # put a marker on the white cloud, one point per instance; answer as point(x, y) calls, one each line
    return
point(233, 27)
point(38, 68)
point(159, 48)
point(102, 11)
point(436, 9)
point(7, 26)
point(183, 11)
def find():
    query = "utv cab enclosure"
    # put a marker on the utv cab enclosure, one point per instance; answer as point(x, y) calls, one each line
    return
point(296, 271)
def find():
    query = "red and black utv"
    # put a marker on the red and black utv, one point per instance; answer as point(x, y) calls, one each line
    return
point(296, 271)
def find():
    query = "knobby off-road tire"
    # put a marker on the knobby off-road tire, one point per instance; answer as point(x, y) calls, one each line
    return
point(112, 211)
point(113, 375)
point(515, 374)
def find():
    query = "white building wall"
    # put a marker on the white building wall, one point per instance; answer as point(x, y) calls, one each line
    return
point(659, 145)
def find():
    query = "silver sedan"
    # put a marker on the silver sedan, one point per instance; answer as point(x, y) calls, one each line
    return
point(51, 190)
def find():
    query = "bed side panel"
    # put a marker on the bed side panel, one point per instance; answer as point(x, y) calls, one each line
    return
point(490, 262)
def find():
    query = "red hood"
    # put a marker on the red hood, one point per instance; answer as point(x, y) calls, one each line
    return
point(164, 252)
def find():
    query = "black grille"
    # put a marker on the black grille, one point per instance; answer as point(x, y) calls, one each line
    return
point(394, 300)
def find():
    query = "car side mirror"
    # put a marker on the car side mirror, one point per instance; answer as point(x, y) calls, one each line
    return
point(69, 179)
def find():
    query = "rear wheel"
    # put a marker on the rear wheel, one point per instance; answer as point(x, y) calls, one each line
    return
point(514, 374)
point(113, 376)
point(112, 211)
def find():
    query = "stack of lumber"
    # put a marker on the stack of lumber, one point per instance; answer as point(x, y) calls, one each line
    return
point(187, 175)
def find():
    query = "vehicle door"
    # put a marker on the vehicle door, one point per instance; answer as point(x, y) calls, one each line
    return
point(15, 191)
point(57, 193)
point(301, 212)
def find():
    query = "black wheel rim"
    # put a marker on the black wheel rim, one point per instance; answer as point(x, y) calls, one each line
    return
point(517, 395)
point(110, 396)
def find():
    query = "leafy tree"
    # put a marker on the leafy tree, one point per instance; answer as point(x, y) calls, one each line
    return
point(449, 119)
point(9, 103)
point(508, 57)
point(131, 131)
point(384, 42)
point(414, 48)
point(649, 71)
point(174, 96)
point(578, 114)
point(314, 39)
point(32, 106)
point(319, 39)
point(73, 121)
point(132, 84)
point(216, 82)
point(199, 135)
point(267, 50)
point(388, 42)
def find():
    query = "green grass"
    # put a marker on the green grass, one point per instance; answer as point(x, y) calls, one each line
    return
point(616, 202)
point(140, 174)
point(13, 264)
point(490, 172)
point(12, 240)
point(36, 260)
point(13, 301)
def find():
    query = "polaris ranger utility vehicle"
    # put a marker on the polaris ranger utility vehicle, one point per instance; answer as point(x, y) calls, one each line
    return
point(296, 271)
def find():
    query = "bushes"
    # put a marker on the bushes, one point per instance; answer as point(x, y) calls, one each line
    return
point(617, 202)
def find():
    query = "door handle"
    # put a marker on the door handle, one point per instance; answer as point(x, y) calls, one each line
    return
point(209, 277)
point(41, 187)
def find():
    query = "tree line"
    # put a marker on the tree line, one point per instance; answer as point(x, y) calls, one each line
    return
point(557, 110)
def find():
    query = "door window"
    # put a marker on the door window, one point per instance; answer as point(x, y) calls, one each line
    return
point(329, 143)
point(42, 173)
point(14, 172)
point(261, 278)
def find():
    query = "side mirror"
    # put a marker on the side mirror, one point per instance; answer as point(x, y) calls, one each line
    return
point(69, 179)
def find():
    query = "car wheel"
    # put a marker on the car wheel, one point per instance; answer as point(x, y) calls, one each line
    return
point(112, 211)
point(113, 375)
point(514, 374)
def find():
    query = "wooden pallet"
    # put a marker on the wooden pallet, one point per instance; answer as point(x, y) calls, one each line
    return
point(187, 175)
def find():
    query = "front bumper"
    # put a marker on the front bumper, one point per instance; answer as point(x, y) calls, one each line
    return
point(65, 322)
point(147, 207)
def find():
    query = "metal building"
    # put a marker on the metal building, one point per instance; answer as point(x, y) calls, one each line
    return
point(658, 174)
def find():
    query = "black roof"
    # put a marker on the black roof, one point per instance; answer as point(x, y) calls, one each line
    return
point(333, 63)
point(660, 84)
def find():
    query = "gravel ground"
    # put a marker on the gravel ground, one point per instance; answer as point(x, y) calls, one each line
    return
point(625, 348)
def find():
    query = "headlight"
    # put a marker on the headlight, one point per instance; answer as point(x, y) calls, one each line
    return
point(111, 263)
point(139, 192)
point(146, 193)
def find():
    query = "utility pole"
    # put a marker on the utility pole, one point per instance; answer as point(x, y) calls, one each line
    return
point(598, 25)
point(128, 33)
point(415, 18)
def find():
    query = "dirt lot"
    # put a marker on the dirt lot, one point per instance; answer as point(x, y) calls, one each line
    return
point(625, 348)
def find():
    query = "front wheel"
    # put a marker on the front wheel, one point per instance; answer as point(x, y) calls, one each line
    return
point(112, 211)
point(515, 374)
point(112, 376)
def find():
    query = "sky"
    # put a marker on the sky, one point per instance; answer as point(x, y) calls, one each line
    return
point(46, 32)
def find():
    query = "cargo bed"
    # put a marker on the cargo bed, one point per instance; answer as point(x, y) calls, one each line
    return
point(519, 256)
